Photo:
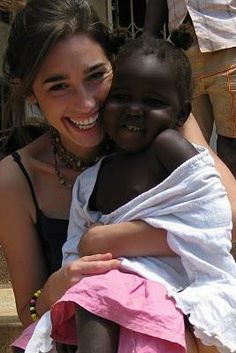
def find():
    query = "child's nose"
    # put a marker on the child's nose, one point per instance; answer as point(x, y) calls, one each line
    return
point(134, 109)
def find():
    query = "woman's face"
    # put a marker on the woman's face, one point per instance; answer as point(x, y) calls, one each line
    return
point(70, 87)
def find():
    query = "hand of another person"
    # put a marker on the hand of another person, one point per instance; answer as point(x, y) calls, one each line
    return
point(61, 280)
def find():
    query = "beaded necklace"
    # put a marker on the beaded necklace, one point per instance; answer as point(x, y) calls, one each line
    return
point(69, 159)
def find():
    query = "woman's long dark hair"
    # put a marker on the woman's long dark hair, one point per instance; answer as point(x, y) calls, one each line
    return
point(36, 28)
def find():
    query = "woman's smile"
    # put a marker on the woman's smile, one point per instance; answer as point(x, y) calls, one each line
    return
point(85, 124)
point(70, 88)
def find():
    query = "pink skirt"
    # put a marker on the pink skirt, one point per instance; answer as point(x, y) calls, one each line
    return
point(148, 318)
point(23, 339)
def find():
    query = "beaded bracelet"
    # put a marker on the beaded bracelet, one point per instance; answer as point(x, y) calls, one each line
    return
point(32, 306)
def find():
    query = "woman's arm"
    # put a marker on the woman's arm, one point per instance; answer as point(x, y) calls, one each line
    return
point(22, 249)
point(192, 132)
point(18, 237)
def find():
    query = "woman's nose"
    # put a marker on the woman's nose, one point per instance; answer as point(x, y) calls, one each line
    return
point(84, 100)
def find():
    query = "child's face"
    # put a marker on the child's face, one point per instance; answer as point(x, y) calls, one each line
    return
point(143, 102)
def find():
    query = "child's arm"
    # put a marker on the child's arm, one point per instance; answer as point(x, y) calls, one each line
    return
point(172, 149)
point(155, 17)
point(119, 239)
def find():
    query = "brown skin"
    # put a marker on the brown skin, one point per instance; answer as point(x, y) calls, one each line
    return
point(155, 18)
point(225, 147)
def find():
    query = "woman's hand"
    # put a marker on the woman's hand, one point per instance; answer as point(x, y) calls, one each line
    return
point(68, 275)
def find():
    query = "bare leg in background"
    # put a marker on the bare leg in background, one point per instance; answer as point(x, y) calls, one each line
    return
point(226, 149)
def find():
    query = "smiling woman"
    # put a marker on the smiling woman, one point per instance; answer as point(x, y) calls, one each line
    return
point(58, 59)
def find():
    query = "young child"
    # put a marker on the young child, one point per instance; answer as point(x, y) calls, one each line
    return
point(157, 176)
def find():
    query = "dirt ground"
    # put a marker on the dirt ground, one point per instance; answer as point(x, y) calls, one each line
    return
point(4, 276)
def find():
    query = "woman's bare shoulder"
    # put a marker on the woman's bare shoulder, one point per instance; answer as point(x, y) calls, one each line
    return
point(9, 175)
point(191, 131)
point(15, 194)
point(9, 170)
point(13, 184)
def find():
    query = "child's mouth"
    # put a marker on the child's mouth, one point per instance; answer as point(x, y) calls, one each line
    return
point(132, 128)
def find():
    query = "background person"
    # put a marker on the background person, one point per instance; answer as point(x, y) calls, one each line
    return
point(213, 59)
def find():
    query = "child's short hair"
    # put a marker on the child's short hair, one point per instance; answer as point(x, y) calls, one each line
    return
point(163, 50)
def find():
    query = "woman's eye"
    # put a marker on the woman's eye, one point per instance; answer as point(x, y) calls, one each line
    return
point(96, 76)
point(58, 87)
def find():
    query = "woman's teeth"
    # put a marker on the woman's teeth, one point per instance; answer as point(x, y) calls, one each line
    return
point(85, 124)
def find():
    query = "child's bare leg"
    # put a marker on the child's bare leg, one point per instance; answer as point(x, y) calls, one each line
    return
point(191, 344)
point(205, 349)
point(194, 345)
point(95, 334)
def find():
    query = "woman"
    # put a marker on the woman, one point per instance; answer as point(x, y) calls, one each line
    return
point(58, 57)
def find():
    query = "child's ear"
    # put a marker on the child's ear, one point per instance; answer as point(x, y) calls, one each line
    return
point(184, 113)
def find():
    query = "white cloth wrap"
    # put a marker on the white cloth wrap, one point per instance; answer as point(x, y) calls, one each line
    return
point(192, 205)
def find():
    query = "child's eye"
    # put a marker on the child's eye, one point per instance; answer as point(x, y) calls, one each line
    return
point(120, 97)
point(155, 102)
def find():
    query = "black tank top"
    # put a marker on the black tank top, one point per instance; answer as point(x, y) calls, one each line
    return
point(52, 232)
